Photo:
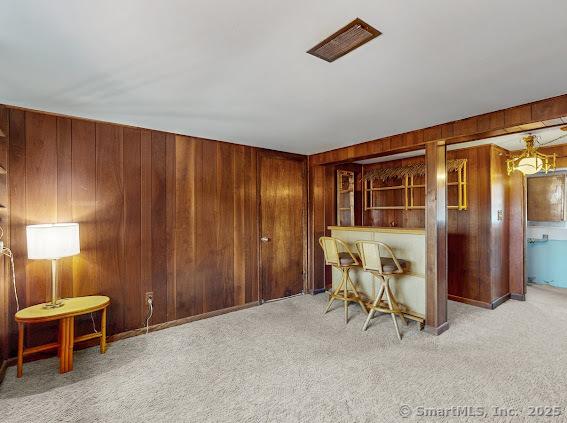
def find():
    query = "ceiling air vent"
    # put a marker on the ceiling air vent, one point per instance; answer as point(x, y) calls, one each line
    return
point(344, 40)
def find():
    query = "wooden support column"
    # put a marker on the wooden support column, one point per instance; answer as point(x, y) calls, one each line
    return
point(436, 238)
point(517, 221)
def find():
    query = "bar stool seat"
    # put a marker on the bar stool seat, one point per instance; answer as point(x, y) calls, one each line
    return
point(346, 259)
point(338, 255)
point(389, 265)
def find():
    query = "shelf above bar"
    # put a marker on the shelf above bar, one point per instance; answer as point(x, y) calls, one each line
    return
point(387, 188)
point(395, 230)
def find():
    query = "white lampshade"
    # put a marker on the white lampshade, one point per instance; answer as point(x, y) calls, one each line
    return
point(530, 165)
point(53, 241)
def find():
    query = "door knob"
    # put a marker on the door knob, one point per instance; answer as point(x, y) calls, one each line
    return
point(264, 239)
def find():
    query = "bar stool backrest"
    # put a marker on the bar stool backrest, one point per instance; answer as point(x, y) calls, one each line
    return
point(371, 258)
point(332, 248)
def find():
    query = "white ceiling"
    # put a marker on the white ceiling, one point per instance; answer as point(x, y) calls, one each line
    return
point(238, 71)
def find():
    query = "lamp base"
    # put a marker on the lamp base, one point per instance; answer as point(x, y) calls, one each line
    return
point(56, 304)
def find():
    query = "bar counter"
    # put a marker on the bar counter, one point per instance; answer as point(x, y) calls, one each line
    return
point(407, 244)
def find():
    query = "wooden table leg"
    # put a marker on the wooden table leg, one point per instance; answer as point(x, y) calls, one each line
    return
point(103, 331)
point(63, 345)
point(20, 349)
point(71, 345)
point(67, 337)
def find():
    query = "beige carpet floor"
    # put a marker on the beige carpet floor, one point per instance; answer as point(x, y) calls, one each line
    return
point(286, 362)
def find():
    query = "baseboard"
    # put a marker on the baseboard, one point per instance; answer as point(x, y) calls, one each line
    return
point(500, 300)
point(470, 301)
point(489, 306)
point(182, 321)
point(518, 297)
point(141, 331)
point(318, 291)
point(3, 368)
point(433, 330)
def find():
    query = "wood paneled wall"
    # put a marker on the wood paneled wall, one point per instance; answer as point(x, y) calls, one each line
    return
point(539, 114)
point(169, 214)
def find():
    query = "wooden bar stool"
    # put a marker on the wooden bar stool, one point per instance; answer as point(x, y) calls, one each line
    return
point(338, 255)
point(383, 268)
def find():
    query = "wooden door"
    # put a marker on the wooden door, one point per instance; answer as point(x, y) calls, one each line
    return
point(282, 225)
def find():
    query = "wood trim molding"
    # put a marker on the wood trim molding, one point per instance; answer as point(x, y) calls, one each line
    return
point(500, 300)
point(166, 325)
point(470, 301)
point(539, 114)
point(436, 330)
point(488, 306)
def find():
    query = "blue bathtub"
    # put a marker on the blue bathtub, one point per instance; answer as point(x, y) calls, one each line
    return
point(547, 262)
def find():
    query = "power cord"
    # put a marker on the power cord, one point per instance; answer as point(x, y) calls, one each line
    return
point(94, 326)
point(150, 313)
point(7, 252)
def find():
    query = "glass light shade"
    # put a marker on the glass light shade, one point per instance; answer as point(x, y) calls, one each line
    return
point(530, 165)
point(53, 241)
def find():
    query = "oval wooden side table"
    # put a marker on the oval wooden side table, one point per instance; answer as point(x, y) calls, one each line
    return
point(66, 315)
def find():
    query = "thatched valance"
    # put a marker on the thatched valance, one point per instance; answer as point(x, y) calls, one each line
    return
point(417, 169)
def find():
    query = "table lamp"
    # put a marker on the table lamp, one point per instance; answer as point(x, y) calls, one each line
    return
point(52, 242)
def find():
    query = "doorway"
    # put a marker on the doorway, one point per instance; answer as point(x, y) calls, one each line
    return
point(283, 225)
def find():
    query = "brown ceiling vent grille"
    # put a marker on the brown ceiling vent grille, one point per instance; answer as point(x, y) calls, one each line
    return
point(344, 40)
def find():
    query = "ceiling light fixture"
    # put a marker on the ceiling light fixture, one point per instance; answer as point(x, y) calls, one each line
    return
point(530, 160)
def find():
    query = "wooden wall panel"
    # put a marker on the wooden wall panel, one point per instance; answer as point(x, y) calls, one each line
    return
point(170, 222)
point(17, 190)
point(515, 119)
point(132, 221)
point(216, 226)
point(463, 237)
point(5, 290)
point(64, 197)
point(176, 216)
point(41, 194)
point(189, 295)
point(158, 229)
point(40, 206)
point(317, 229)
point(110, 221)
point(245, 225)
point(499, 235)
point(83, 192)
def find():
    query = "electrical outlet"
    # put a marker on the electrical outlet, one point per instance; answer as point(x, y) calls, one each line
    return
point(148, 296)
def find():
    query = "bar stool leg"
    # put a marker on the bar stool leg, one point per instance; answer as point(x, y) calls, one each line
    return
point(374, 304)
point(336, 293)
point(393, 312)
point(345, 293)
point(20, 349)
point(397, 306)
point(357, 294)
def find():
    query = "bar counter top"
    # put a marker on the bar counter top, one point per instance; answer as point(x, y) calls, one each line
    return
point(388, 230)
